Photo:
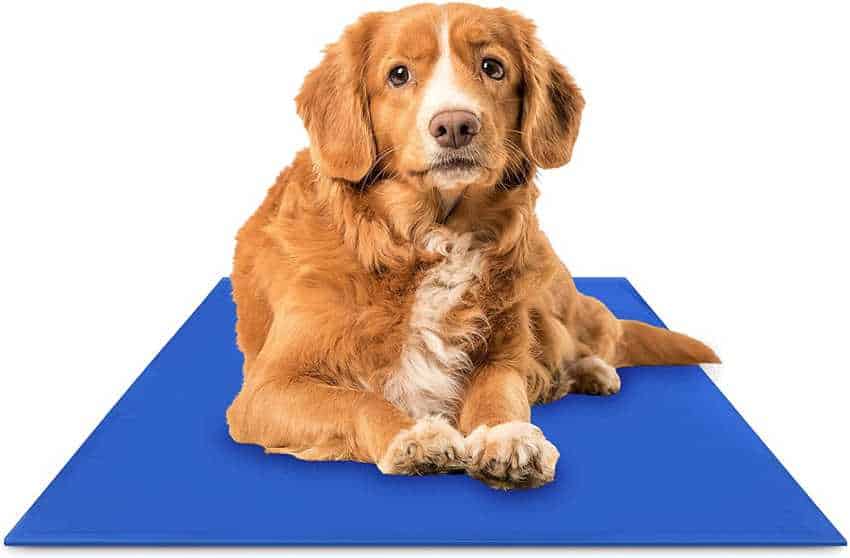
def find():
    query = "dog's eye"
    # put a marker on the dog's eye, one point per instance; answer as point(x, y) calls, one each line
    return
point(493, 68)
point(399, 76)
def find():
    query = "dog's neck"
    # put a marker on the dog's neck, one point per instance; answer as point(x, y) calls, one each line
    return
point(386, 222)
point(449, 200)
point(451, 186)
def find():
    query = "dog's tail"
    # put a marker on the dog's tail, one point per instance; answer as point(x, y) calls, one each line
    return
point(643, 344)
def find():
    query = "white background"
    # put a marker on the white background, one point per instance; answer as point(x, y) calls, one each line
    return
point(711, 169)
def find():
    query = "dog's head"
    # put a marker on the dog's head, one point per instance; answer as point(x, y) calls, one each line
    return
point(453, 94)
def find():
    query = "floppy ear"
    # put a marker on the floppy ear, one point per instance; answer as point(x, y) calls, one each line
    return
point(335, 110)
point(552, 103)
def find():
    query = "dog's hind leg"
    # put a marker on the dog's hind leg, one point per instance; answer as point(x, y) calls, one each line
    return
point(588, 375)
point(566, 365)
point(593, 376)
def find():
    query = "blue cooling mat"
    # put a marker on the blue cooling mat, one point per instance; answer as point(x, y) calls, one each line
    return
point(666, 461)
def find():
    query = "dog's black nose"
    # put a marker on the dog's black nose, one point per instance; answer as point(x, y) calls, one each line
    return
point(454, 128)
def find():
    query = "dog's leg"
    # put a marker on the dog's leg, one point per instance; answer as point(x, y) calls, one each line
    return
point(321, 422)
point(593, 376)
point(503, 448)
point(431, 445)
point(577, 363)
point(590, 375)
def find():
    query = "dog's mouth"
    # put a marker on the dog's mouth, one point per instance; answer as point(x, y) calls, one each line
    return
point(459, 163)
point(454, 164)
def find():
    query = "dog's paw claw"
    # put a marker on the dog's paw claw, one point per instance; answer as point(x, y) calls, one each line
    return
point(431, 446)
point(511, 455)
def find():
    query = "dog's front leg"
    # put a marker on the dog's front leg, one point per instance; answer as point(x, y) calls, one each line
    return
point(503, 448)
point(317, 421)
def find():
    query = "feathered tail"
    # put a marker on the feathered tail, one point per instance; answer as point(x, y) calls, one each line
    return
point(643, 344)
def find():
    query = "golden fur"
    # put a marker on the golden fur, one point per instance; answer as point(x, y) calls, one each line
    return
point(398, 313)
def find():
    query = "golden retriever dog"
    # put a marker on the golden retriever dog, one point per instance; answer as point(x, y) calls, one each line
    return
point(397, 302)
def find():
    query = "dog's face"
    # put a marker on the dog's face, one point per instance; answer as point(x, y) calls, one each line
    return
point(453, 94)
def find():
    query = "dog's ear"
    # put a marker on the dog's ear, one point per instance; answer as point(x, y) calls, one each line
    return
point(552, 103)
point(335, 109)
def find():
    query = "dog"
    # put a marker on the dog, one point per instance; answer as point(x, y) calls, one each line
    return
point(397, 303)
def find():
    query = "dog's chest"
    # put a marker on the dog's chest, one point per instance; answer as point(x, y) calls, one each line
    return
point(428, 377)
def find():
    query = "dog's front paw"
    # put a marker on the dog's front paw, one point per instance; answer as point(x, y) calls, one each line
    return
point(511, 455)
point(432, 445)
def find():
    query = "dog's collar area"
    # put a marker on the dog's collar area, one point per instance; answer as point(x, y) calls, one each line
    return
point(449, 200)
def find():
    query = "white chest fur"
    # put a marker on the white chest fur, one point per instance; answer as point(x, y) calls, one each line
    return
point(427, 381)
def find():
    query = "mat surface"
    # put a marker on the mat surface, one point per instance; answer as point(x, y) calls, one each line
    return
point(666, 461)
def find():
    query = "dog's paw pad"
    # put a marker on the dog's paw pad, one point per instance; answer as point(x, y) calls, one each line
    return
point(511, 455)
point(431, 446)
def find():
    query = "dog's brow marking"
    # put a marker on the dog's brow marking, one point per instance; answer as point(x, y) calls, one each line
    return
point(442, 91)
point(427, 380)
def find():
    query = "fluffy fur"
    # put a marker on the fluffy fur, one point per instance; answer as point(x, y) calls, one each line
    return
point(397, 302)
